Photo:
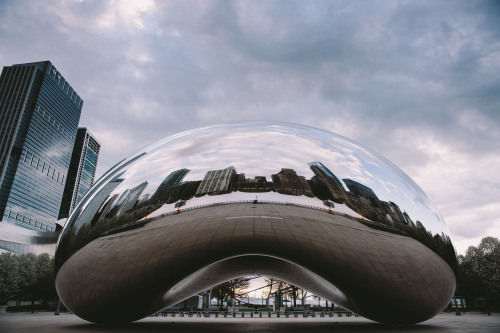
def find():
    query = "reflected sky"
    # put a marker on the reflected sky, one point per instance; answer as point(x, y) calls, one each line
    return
point(242, 196)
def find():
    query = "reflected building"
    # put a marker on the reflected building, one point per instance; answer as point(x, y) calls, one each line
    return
point(327, 179)
point(408, 220)
point(143, 198)
point(173, 179)
point(216, 181)
point(171, 187)
point(288, 182)
point(256, 184)
point(91, 211)
point(104, 212)
point(360, 189)
point(131, 198)
point(393, 212)
point(81, 171)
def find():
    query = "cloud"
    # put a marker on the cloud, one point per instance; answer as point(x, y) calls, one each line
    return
point(416, 81)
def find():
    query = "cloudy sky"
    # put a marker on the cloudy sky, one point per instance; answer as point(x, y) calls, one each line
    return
point(416, 81)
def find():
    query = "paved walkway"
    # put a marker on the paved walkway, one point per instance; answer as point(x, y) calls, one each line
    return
point(44, 322)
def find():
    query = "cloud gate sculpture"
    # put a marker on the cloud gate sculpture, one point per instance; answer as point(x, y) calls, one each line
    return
point(296, 203)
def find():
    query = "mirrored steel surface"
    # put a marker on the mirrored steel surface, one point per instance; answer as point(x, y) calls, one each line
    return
point(218, 179)
point(21, 240)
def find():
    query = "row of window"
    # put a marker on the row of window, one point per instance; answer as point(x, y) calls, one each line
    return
point(65, 87)
point(53, 122)
point(46, 169)
point(28, 221)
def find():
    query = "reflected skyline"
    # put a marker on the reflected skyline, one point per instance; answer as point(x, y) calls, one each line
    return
point(262, 152)
point(324, 185)
point(123, 208)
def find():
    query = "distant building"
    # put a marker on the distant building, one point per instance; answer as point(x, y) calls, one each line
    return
point(81, 171)
point(169, 187)
point(39, 114)
point(360, 189)
point(143, 198)
point(324, 175)
point(94, 211)
point(216, 181)
point(132, 198)
point(257, 184)
point(393, 211)
point(288, 182)
point(408, 220)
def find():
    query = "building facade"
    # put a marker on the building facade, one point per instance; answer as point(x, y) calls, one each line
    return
point(360, 189)
point(39, 115)
point(216, 181)
point(288, 182)
point(328, 178)
point(81, 171)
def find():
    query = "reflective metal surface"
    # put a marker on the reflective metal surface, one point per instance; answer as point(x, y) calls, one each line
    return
point(210, 204)
point(21, 240)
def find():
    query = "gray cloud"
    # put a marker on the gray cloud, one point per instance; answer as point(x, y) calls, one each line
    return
point(416, 81)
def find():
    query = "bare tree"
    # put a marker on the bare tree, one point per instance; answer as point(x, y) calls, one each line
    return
point(229, 289)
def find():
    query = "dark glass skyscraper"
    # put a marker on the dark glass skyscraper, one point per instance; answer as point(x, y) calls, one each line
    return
point(81, 171)
point(360, 189)
point(39, 114)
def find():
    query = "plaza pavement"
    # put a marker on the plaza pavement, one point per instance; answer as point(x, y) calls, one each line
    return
point(45, 322)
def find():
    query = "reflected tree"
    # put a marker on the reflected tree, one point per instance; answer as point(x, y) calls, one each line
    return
point(229, 289)
point(286, 289)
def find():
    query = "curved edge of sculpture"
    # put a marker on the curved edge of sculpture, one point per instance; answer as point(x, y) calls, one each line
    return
point(148, 236)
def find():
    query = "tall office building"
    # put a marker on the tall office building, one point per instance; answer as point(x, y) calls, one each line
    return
point(81, 171)
point(39, 114)
point(328, 178)
point(216, 181)
point(360, 189)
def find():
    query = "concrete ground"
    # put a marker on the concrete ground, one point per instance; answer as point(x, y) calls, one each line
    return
point(45, 322)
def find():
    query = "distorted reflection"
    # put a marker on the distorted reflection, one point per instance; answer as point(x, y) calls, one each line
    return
point(259, 162)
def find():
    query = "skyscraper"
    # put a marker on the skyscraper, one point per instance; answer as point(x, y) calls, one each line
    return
point(216, 181)
point(39, 114)
point(360, 189)
point(328, 178)
point(288, 182)
point(81, 171)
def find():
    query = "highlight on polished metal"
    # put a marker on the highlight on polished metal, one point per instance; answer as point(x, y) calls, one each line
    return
point(255, 198)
